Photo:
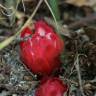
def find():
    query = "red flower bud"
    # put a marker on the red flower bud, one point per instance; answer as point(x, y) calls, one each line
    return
point(41, 52)
point(51, 87)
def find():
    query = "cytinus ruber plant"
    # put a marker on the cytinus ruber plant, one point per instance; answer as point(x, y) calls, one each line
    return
point(51, 86)
point(41, 52)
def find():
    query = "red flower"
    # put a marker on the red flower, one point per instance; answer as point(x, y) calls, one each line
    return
point(41, 52)
point(51, 87)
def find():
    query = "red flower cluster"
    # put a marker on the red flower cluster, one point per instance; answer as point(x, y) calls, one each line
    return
point(41, 52)
point(51, 87)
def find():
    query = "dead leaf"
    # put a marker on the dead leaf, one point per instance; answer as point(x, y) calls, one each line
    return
point(91, 33)
point(82, 2)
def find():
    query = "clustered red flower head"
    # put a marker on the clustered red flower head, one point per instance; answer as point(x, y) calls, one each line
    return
point(52, 86)
point(41, 52)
